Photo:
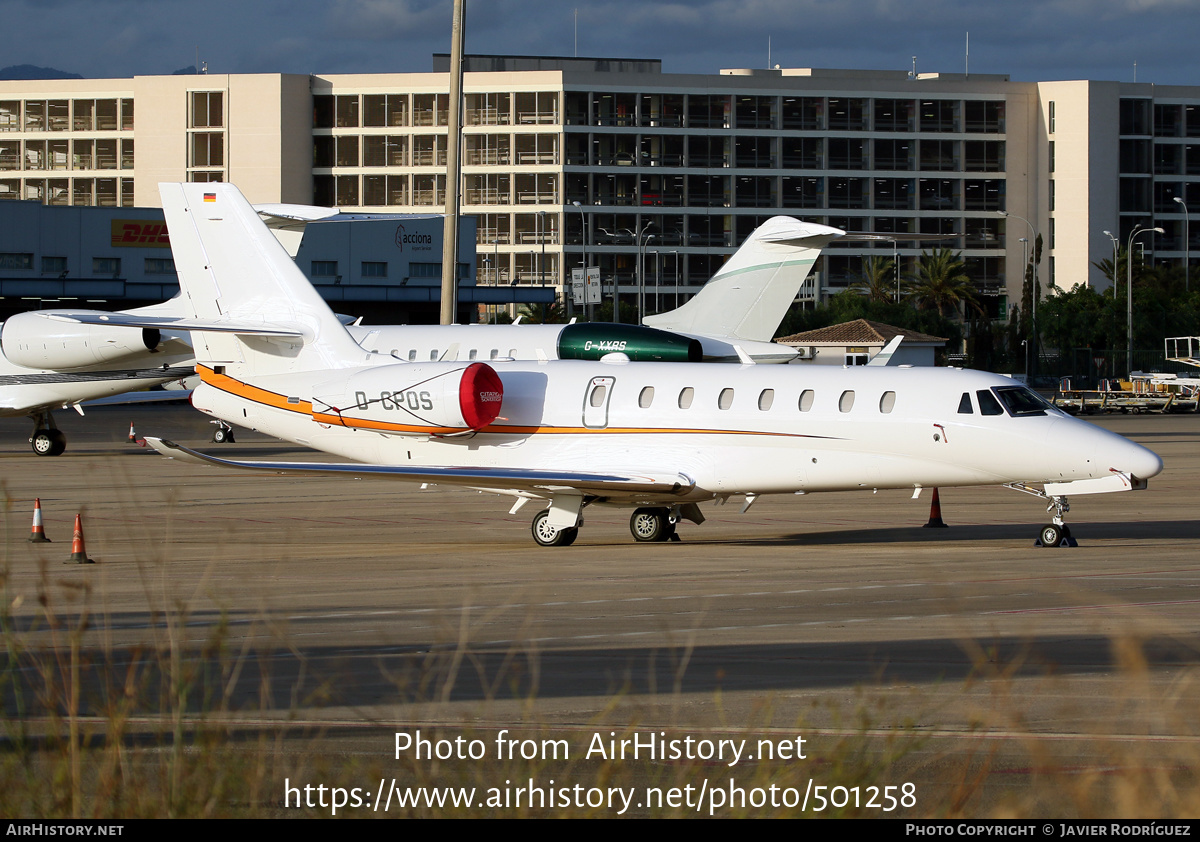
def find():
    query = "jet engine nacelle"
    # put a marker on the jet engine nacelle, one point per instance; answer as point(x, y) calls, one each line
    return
point(595, 340)
point(33, 341)
point(440, 398)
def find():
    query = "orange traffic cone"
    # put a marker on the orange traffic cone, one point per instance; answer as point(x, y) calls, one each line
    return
point(133, 439)
point(935, 513)
point(78, 553)
point(38, 534)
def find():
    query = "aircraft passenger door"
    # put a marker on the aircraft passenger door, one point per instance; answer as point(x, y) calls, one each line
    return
point(595, 402)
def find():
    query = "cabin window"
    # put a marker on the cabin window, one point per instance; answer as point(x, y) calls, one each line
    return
point(988, 405)
point(846, 401)
point(495, 353)
point(473, 354)
point(765, 398)
point(806, 400)
point(725, 399)
point(412, 354)
point(433, 355)
point(685, 397)
point(887, 402)
point(646, 397)
point(964, 404)
point(598, 393)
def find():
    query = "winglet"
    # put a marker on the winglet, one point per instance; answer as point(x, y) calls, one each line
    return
point(884, 357)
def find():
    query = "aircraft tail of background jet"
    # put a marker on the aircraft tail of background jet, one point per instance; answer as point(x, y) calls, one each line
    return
point(750, 294)
point(252, 307)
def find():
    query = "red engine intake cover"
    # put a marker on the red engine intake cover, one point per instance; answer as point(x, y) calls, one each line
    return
point(480, 393)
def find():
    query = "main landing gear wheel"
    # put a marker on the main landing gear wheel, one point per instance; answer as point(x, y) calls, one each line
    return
point(548, 536)
point(650, 524)
point(223, 433)
point(49, 442)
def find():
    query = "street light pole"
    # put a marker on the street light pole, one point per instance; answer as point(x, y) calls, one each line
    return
point(1187, 258)
point(584, 234)
point(1137, 229)
point(641, 271)
point(1025, 262)
point(1033, 292)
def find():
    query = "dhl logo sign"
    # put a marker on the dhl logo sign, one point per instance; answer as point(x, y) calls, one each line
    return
point(139, 233)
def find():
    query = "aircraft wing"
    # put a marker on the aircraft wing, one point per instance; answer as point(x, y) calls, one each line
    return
point(500, 479)
point(248, 328)
point(152, 396)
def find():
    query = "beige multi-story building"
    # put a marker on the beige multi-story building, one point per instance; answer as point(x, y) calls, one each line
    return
point(615, 159)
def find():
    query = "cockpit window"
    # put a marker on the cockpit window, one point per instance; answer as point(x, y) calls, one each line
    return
point(964, 404)
point(1020, 401)
point(988, 405)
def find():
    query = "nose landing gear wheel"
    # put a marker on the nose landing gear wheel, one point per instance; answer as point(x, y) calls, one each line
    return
point(1053, 535)
point(650, 524)
point(548, 536)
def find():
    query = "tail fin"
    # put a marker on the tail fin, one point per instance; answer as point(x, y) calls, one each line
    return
point(750, 294)
point(232, 270)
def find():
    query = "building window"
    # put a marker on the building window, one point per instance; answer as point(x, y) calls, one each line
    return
point(1050, 117)
point(10, 115)
point(374, 269)
point(106, 266)
point(208, 149)
point(208, 110)
point(160, 266)
point(54, 265)
point(324, 268)
point(11, 262)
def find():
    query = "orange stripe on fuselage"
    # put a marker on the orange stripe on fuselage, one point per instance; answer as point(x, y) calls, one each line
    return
point(277, 401)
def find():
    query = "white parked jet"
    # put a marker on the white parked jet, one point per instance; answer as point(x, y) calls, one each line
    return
point(658, 438)
point(50, 364)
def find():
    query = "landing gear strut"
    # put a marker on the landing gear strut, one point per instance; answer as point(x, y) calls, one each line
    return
point(1056, 533)
point(46, 440)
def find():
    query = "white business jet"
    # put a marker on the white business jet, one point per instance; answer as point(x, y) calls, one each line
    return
point(48, 364)
point(657, 438)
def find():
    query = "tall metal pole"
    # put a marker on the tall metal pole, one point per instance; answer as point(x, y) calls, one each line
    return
point(1187, 257)
point(1137, 229)
point(1033, 292)
point(453, 168)
point(583, 234)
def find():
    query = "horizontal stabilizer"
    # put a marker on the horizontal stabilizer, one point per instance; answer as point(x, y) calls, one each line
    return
point(245, 328)
point(500, 479)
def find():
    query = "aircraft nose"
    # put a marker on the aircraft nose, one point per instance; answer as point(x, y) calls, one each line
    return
point(1140, 461)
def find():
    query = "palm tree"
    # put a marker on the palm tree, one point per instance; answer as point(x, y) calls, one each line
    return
point(550, 313)
point(877, 279)
point(940, 283)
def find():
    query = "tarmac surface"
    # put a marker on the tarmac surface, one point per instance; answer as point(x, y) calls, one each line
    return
point(369, 607)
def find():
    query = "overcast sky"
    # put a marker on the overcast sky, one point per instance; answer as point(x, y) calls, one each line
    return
point(1027, 39)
